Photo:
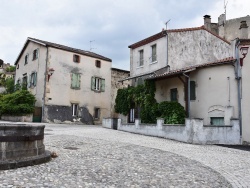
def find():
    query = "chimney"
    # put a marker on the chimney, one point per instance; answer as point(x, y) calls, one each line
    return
point(243, 30)
point(207, 22)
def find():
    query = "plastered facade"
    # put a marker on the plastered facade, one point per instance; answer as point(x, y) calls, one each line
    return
point(56, 90)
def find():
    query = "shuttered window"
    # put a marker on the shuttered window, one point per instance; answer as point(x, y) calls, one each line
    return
point(35, 54)
point(75, 81)
point(192, 90)
point(32, 79)
point(98, 84)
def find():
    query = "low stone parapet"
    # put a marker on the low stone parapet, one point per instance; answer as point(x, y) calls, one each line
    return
point(193, 131)
point(25, 118)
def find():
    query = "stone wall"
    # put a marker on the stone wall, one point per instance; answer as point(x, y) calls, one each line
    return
point(26, 118)
point(192, 132)
point(117, 75)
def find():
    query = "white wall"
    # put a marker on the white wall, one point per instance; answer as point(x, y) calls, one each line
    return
point(37, 65)
point(216, 90)
point(59, 86)
point(148, 65)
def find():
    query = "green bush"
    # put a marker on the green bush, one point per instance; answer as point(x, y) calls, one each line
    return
point(18, 103)
point(143, 97)
point(172, 112)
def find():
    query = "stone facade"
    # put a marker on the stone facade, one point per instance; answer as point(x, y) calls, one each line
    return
point(116, 76)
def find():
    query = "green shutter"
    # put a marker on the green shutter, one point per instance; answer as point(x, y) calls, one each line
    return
point(75, 81)
point(35, 78)
point(103, 85)
point(78, 82)
point(192, 90)
point(93, 83)
point(29, 82)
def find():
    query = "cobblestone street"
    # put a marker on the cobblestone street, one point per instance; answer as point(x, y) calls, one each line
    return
point(92, 156)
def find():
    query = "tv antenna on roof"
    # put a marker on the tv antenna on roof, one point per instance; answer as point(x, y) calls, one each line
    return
point(167, 24)
point(90, 45)
point(225, 7)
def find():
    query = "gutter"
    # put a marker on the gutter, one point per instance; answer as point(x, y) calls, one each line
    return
point(44, 88)
point(188, 97)
point(238, 78)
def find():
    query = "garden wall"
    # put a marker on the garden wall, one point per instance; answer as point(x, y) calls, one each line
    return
point(192, 132)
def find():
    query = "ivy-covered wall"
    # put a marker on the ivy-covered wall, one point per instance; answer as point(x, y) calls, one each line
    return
point(143, 97)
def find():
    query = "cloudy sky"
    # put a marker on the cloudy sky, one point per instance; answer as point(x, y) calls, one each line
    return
point(111, 25)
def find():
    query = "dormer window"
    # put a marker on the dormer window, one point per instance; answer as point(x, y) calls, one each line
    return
point(76, 58)
point(98, 63)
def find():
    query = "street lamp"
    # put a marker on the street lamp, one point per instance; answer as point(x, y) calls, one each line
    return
point(243, 51)
point(50, 72)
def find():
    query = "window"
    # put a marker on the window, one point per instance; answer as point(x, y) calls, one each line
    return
point(35, 54)
point(25, 80)
point(26, 59)
point(75, 80)
point(18, 81)
point(98, 63)
point(76, 58)
point(32, 79)
point(98, 84)
point(141, 58)
point(97, 113)
point(192, 90)
point(217, 120)
point(17, 66)
point(173, 94)
point(153, 57)
point(74, 108)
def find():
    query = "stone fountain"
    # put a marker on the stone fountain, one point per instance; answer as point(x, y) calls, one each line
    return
point(22, 145)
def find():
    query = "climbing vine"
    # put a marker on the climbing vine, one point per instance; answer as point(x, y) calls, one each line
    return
point(143, 97)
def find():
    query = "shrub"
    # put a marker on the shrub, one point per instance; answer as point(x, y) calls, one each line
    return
point(19, 103)
point(172, 112)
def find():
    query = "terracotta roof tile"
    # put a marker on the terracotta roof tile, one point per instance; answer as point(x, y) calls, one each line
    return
point(62, 47)
point(177, 71)
point(163, 33)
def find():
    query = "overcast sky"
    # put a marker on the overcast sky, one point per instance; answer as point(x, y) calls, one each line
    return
point(112, 25)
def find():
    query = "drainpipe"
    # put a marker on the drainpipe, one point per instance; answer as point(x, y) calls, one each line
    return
point(44, 89)
point(238, 78)
point(188, 97)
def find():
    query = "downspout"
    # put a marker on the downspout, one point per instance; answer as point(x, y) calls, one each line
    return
point(238, 78)
point(44, 89)
point(188, 97)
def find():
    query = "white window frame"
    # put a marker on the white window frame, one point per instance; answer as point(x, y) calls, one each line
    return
point(152, 59)
point(98, 84)
point(141, 58)
point(74, 109)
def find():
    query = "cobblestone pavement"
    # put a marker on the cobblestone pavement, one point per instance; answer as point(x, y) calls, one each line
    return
point(91, 156)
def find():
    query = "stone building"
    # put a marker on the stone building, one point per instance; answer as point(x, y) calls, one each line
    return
point(116, 76)
point(70, 85)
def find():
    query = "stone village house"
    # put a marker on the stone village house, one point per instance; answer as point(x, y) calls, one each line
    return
point(69, 84)
point(201, 70)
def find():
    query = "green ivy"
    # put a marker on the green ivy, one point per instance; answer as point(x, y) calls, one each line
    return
point(143, 96)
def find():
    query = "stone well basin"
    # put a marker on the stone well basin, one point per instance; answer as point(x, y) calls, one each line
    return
point(22, 145)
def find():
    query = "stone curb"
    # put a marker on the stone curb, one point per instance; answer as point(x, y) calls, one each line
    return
point(31, 161)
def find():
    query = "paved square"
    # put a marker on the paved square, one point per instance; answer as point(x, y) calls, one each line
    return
point(92, 156)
